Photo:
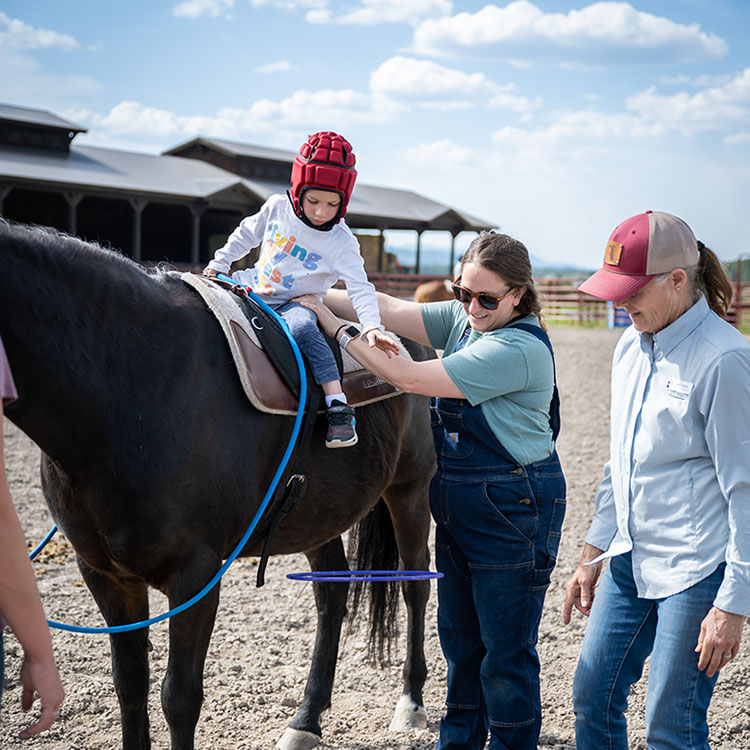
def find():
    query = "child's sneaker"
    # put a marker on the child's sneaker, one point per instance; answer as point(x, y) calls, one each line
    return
point(341, 426)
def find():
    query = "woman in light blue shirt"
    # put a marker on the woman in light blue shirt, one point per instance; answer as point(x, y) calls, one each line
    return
point(673, 509)
point(498, 495)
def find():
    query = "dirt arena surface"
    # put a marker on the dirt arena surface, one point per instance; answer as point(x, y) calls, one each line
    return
point(260, 652)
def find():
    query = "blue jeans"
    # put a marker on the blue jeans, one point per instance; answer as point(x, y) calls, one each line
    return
point(622, 631)
point(496, 542)
point(303, 324)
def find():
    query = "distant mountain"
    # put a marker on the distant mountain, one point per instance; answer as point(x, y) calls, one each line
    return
point(436, 259)
point(544, 267)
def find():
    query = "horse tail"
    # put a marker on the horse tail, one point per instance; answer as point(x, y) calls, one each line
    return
point(372, 546)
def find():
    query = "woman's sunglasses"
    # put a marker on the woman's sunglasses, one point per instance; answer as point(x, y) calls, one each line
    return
point(487, 301)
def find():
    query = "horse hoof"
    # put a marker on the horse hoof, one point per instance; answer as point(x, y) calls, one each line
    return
point(297, 739)
point(408, 715)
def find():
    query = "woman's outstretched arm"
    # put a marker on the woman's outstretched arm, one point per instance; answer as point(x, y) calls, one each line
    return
point(429, 378)
point(401, 316)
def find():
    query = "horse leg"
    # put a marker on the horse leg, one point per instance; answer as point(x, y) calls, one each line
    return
point(122, 602)
point(189, 636)
point(304, 730)
point(411, 526)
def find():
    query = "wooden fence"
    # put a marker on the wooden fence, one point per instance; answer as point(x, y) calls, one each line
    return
point(561, 300)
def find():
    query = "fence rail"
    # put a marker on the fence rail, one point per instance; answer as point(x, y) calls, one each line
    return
point(561, 300)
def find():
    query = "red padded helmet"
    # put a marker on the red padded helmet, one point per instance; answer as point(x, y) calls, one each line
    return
point(325, 162)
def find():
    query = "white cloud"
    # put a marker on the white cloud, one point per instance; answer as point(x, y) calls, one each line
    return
point(409, 77)
point(198, 8)
point(396, 86)
point(721, 109)
point(275, 67)
point(576, 130)
point(445, 106)
point(372, 12)
point(133, 118)
point(697, 82)
point(26, 83)
point(290, 5)
point(422, 81)
point(716, 108)
point(739, 138)
point(601, 33)
point(443, 154)
point(131, 124)
point(15, 34)
point(505, 99)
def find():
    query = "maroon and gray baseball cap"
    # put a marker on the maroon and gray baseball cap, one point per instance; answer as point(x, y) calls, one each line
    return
point(640, 248)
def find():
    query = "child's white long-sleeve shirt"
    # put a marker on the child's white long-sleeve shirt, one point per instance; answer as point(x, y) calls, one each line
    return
point(296, 259)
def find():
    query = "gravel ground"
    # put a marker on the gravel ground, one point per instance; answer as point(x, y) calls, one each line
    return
point(261, 648)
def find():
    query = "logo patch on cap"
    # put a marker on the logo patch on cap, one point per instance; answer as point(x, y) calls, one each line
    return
point(612, 253)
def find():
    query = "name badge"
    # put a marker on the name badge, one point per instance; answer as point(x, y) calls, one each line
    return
point(679, 388)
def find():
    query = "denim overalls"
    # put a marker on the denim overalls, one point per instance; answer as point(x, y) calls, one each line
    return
point(498, 532)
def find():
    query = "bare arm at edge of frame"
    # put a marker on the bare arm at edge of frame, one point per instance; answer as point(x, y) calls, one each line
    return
point(22, 608)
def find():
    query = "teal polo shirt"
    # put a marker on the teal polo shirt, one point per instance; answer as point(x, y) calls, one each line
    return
point(508, 372)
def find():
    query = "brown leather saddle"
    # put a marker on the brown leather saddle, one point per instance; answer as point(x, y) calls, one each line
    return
point(247, 330)
point(361, 386)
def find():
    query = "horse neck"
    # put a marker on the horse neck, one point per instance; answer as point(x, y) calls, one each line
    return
point(67, 318)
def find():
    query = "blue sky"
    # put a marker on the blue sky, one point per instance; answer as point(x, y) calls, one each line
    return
point(553, 120)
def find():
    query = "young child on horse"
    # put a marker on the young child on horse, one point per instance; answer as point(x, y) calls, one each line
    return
point(305, 248)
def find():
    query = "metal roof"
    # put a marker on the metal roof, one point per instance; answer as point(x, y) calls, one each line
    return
point(232, 148)
point(396, 209)
point(108, 169)
point(389, 208)
point(169, 175)
point(38, 117)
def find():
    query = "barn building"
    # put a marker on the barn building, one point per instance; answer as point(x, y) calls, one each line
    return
point(178, 206)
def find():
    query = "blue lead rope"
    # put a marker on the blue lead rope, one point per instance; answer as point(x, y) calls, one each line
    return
point(264, 504)
point(43, 543)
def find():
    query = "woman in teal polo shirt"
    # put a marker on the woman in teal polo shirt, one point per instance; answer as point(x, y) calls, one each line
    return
point(498, 495)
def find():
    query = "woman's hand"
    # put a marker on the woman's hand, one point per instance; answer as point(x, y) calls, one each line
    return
point(376, 338)
point(581, 587)
point(327, 320)
point(42, 679)
point(719, 640)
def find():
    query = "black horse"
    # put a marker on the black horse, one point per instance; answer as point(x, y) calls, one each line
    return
point(154, 463)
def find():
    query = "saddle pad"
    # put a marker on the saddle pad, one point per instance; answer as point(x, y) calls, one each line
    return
point(262, 384)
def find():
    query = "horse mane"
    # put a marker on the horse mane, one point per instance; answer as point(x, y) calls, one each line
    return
point(92, 258)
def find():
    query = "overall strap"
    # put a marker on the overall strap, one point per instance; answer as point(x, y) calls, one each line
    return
point(554, 406)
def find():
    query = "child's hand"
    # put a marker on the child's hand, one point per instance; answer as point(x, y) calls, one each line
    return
point(376, 338)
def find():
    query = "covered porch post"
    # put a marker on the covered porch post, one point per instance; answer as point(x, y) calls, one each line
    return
point(138, 205)
point(381, 249)
point(72, 199)
point(197, 210)
point(3, 195)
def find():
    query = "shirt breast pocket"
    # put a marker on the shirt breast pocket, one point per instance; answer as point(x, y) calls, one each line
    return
point(669, 425)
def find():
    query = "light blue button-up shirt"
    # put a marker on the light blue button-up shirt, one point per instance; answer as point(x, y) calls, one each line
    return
point(676, 489)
